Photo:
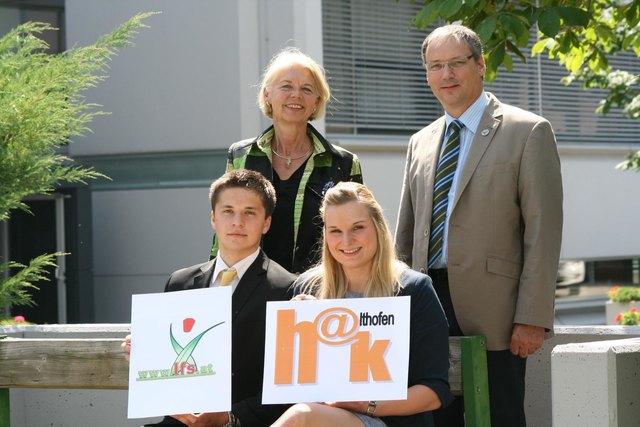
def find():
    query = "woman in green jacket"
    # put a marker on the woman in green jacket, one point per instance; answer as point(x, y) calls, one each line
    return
point(295, 157)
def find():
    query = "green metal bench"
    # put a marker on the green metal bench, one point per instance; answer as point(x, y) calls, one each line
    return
point(87, 363)
point(468, 378)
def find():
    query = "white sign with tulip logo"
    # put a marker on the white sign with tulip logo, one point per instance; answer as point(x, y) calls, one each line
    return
point(180, 353)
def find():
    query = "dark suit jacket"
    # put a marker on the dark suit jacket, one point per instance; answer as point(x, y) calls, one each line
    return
point(264, 281)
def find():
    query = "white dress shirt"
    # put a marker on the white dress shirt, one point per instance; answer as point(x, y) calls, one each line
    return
point(241, 267)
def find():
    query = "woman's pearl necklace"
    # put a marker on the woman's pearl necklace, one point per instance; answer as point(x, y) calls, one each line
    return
point(289, 159)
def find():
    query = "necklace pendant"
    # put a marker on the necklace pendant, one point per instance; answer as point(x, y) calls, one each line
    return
point(288, 165)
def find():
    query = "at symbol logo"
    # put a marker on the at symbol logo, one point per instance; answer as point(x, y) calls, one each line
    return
point(334, 326)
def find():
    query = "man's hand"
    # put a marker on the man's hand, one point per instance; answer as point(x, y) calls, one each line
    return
point(205, 419)
point(526, 339)
point(126, 346)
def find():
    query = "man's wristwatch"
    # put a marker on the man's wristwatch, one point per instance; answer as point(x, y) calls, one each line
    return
point(233, 421)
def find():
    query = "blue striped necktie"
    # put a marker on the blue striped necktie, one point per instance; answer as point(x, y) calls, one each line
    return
point(445, 171)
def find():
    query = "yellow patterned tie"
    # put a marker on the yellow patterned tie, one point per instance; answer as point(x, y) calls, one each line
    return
point(227, 276)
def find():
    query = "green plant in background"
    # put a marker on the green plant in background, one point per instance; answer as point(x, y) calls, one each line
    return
point(629, 318)
point(583, 35)
point(624, 294)
point(15, 320)
point(41, 108)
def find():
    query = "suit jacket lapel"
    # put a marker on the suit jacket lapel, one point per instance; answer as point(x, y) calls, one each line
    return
point(204, 277)
point(432, 154)
point(250, 281)
point(489, 122)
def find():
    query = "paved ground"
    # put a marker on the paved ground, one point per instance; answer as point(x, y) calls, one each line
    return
point(583, 289)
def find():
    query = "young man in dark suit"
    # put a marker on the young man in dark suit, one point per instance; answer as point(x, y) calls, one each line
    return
point(242, 202)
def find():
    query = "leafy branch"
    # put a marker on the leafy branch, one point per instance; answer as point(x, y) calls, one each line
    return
point(41, 108)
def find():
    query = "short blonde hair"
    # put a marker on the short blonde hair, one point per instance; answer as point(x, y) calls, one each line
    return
point(293, 56)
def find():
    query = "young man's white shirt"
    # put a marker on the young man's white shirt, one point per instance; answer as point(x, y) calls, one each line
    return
point(241, 267)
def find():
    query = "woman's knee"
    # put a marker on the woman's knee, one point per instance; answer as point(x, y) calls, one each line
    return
point(298, 415)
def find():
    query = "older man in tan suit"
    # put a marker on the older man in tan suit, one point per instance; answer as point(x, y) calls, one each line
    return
point(481, 211)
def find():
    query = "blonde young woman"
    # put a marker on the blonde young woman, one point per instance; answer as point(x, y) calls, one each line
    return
point(295, 157)
point(358, 260)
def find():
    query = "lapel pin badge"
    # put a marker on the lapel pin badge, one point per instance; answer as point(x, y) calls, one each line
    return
point(485, 132)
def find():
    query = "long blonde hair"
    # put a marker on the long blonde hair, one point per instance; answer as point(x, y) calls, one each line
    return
point(328, 280)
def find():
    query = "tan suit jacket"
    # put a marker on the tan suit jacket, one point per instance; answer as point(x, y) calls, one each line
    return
point(505, 227)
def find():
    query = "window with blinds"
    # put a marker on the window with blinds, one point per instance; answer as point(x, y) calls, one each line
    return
point(373, 63)
point(372, 59)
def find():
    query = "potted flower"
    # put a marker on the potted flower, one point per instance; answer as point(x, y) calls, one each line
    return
point(631, 317)
point(15, 320)
point(621, 299)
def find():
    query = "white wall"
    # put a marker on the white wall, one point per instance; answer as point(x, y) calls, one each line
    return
point(139, 238)
point(189, 83)
point(382, 171)
point(177, 88)
point(601, 203)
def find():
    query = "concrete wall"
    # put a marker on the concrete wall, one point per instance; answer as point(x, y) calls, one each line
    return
point(596, 384)
point(106, 408)
point(538, 400)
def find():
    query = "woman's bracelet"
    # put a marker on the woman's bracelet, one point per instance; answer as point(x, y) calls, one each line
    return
point(371, 408)
point(233, 421)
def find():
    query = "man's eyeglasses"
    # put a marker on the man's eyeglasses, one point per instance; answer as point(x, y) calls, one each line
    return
point(455, 64)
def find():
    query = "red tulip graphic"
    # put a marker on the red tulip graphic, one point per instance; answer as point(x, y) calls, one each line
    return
point(187, 324)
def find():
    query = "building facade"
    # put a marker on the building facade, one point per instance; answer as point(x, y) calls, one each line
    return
point(187, 90)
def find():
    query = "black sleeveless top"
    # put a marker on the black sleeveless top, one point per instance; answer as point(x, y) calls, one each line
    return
point(278, 242)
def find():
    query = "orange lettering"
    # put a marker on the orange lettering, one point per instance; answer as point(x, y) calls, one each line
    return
point(336, 325)
point(365, 358)
point(285, 349)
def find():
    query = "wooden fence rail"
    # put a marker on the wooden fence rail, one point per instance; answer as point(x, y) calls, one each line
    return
point(87, 363)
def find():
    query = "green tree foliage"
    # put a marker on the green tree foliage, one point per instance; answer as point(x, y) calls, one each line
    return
point(583, 35)
point(15, 291)
point(41, 107)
